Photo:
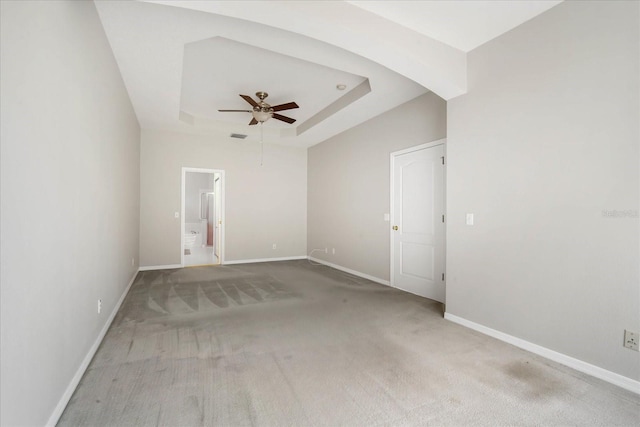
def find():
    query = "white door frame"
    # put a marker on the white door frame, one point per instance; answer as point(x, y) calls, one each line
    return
point(222, 207)
point(392, 156)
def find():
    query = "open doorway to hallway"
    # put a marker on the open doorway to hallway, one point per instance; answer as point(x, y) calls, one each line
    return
point(202, 217)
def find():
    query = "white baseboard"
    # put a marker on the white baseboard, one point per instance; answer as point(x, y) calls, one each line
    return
point(159, 267)
point(64, 400)
point(350, 271)
point(578, 365)
point(250, 261)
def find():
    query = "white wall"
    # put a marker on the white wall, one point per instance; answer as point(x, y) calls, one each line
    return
point(264, 204)
point(69, 166)
point(546, 139)
point(348, 191)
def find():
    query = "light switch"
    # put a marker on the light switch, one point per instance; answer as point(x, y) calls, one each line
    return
point(176, 214)
point(386, 217)
point(469, 219)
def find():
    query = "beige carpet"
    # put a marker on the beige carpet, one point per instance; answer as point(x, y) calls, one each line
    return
point(291, 344)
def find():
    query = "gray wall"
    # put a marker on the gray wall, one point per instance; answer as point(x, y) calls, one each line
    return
point(70, 180)
point(348, 191)
point(263, 204)
point(194, 182)
point(546, 140)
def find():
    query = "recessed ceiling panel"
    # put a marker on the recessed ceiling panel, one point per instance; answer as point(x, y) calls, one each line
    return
point(159, 47)
point(217, 70)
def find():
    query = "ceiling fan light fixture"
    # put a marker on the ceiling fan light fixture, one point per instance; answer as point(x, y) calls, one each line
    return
point(261, 114)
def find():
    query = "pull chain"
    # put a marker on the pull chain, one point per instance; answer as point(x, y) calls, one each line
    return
point(261, 143)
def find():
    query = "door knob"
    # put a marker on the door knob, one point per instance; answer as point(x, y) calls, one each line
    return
point(395, 227)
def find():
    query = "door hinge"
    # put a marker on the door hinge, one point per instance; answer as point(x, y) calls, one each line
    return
point(442, 218)
point(442, 159)
point(442, 276)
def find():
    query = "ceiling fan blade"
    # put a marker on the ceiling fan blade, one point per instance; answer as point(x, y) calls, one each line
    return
point(287, 106)
point(283, 118)
point(249, 100)
point(253, 122)
point(235, 111)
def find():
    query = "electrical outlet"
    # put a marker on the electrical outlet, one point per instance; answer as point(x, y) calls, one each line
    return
point(326, 250)
point(99, 306)
point(274, 246)
point(333, 251)
point(133, 262)
point(631, 340)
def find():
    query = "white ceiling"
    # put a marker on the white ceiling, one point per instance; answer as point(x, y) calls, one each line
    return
point(462, 24)
point(246, 69)
point(181, 61)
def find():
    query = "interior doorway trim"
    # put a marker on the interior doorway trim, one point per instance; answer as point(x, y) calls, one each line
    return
point(220, 172)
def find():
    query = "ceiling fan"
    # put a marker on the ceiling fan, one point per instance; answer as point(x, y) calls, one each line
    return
point(263, 111)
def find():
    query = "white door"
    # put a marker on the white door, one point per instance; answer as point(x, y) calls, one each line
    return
point(417, 221)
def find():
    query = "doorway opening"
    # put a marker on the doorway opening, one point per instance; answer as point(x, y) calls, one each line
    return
point(202, 223)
